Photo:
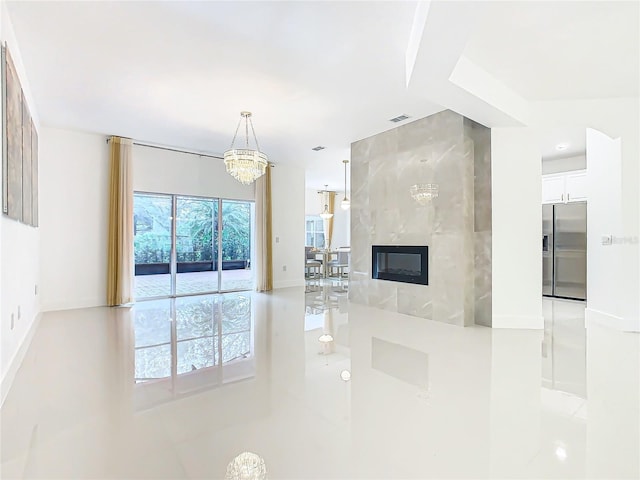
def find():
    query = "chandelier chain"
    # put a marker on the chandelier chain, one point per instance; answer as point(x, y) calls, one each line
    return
point(254, 136)
point(235, 134)
point(345, 179)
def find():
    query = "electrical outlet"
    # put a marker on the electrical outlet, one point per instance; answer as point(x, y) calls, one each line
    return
point(284, 268)
point(12, 322)
point(277, 239)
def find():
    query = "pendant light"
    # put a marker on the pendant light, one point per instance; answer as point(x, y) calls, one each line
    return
point(326, 214)
point(345, 204)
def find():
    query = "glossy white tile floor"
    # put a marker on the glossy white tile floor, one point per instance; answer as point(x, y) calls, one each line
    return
point(425, 400)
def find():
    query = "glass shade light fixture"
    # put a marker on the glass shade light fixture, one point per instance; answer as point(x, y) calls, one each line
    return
point(423, 193)
point(345, 204)
point(326, 214)
point(245, 164)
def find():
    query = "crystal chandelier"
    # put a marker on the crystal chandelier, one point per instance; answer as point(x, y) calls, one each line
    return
point(244, 164)
point(423, 193)
point(345, 204)
point(246, 466)
point(326, 214)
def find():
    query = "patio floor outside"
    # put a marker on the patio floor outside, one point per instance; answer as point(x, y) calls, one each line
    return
point(150, 286)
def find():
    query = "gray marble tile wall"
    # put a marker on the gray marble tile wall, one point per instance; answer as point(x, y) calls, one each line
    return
point(453, 152)
point(481, 138)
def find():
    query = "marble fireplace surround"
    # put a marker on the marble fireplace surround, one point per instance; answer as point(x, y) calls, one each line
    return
point(454, 152)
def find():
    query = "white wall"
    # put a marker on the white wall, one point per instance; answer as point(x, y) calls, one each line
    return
point(288, 194)
point(516, 170)
point(19, 251)
point(341, 218)
point(164, 171)
point(557, 165)
point(74, 183)
point(604, 214)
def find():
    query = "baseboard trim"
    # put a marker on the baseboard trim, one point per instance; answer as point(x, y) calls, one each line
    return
point(596, 317)
point(518, 321)
point(288, 284)
point(17, 360)
point(83, 303)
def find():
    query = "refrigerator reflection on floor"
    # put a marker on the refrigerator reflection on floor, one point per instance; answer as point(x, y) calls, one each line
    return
point(564, 250)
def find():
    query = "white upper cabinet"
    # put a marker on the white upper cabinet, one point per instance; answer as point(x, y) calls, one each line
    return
point(564, 187)
point(553, 187)
point(576, 186)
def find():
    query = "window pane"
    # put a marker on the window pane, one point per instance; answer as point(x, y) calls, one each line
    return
point(236, 345)
point(196, 354)
point(151, 228)
point(236, 313)
point(152, 244)
point(194, 317)
point(152, 322)
point(153, 362)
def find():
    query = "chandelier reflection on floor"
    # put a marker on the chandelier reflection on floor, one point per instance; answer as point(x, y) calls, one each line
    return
point(246, 466)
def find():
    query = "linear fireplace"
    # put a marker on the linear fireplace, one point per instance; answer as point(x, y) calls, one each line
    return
point(400, 263)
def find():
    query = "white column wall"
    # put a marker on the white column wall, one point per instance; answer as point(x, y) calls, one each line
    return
point(604, 216)
point(516, 190)
point(287, 193)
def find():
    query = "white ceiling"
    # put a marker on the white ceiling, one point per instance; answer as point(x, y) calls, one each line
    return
point(313, 73)
point(560, 50)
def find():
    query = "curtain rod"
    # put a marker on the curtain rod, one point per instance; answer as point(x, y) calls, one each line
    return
point(148, 145)
point(139, 144)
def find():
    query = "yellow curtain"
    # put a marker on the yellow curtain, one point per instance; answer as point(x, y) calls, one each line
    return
point(264, 247)
point(332, 209)
point(120, 253)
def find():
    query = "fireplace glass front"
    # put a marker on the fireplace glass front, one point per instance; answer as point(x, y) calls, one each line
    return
point(400, 263)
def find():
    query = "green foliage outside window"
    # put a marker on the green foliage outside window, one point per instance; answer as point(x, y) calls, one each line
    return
point(197, 221)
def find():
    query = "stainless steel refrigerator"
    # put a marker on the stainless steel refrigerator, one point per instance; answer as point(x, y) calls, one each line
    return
point(564, 250)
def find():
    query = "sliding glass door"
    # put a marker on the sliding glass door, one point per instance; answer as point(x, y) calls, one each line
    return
point(236, 273)
point(196, 245)
point(187, 245)
point(152, 244)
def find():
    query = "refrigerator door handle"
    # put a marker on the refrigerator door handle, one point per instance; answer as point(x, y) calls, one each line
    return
point(562, 197)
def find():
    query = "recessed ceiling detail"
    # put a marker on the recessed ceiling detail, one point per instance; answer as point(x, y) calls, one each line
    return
point(318, 148)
